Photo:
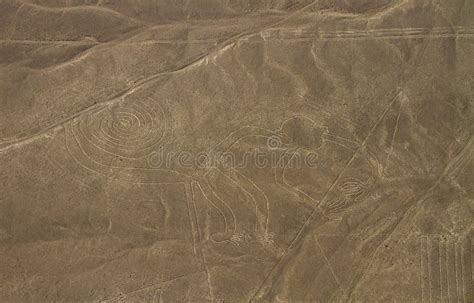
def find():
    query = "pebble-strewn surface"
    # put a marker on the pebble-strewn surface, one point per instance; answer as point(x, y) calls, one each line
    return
point(236, 151)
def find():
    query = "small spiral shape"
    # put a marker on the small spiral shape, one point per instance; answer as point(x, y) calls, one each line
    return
point(274, 142)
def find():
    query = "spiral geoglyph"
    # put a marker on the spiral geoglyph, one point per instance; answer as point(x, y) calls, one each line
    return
point(127, 130)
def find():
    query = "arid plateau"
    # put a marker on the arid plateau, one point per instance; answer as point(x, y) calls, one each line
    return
point(236, 150)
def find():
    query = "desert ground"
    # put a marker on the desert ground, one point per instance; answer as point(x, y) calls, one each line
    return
point(236, 150)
